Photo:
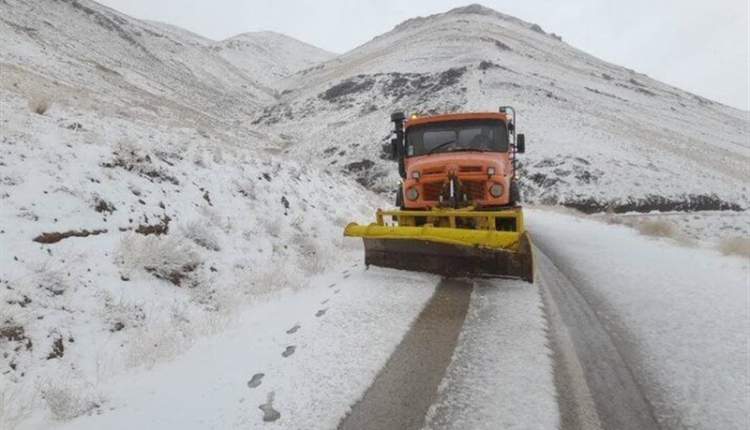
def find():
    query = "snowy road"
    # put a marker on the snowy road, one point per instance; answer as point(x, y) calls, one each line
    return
point(476, 357)
point(594, 379)
point(404, 389)
point(648, 333)
point(628, 349)
point(596, 388)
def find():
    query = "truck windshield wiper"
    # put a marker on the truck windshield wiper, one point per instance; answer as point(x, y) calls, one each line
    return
point(441, 145)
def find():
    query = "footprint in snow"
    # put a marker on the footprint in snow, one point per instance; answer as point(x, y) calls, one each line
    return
point(288, 351)
point(255, 380)
point(293, 329)
point(321, 312)
point(336, 291)
point(269, 413)
point(332, 285)
point(324, 301)
point(347, 275)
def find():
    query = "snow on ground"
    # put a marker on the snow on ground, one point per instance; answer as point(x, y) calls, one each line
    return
point(123, 241)
point(707, 228)
point(500, 375)
point(317, 350)
point(686, 310)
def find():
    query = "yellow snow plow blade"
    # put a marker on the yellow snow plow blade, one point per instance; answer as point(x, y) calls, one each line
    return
point(451, 236)
point(452, 242)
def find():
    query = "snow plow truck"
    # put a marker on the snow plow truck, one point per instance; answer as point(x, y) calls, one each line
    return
point(457, 207)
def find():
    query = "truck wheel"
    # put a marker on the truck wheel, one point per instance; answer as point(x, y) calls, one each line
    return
point(400, 198)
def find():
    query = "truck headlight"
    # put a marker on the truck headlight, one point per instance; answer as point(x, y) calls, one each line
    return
point(490, 171)
point(412, 194)
point(416, 175)
point(496, 190)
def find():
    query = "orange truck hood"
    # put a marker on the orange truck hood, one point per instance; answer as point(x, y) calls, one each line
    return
point(458, 162)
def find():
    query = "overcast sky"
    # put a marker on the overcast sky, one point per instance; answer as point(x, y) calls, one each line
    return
point(702, 46)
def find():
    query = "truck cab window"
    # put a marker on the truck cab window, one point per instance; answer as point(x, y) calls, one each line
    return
point(425, 139)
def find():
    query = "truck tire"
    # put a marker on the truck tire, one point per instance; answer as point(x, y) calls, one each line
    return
point(400, 198)
point(515, 194)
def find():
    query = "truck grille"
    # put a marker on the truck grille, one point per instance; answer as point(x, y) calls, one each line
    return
point(474, 190)
point(432, 191)
point(434, 171)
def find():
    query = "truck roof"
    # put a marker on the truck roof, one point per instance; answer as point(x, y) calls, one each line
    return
point(420, 120)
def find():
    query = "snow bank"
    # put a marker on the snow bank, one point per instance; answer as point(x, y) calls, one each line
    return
point(686, 310)
point(306, 356)
point(123, 242)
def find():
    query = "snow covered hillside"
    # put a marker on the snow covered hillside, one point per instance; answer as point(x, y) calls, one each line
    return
point(123, 241)
point(88, 56)
point(268, 56)
point(599, 136)
point(138, 212)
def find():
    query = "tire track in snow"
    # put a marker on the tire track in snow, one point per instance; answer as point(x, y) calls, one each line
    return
point(596, 386)
point(406, 387)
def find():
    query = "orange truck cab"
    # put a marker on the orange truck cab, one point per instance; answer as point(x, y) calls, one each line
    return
point(457, 160)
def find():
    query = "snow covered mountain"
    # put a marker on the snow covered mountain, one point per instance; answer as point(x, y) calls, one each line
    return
point(78, 49)
point(268, 56)
point(600, 136)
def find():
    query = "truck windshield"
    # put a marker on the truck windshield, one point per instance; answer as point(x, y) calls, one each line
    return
point(457, 136)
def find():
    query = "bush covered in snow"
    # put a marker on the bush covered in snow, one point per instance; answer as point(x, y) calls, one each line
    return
point(658, 228)
point(165, 257)
point(70, 399)
point(735, 246)
point(201, 234)
point(39, 104)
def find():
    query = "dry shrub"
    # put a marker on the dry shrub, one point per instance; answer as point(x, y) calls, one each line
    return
point(131, 156)
point(70, 399)
point(168, 258)
point(39, 105)
point(658, 228)
point(310, 255)
point(216, 219)
point(201, 234)
point(272, 277)
point(162, 339)
point(273, 226)
point(735, 246)
point(246, 188)
point(612, 219)
point(121, 314)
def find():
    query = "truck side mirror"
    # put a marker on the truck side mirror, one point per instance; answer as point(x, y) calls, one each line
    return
point(394, 149)
point(520, 143)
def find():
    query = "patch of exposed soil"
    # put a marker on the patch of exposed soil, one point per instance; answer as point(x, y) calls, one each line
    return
point(156, 229)
point(54, 237)
point(650, 203)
